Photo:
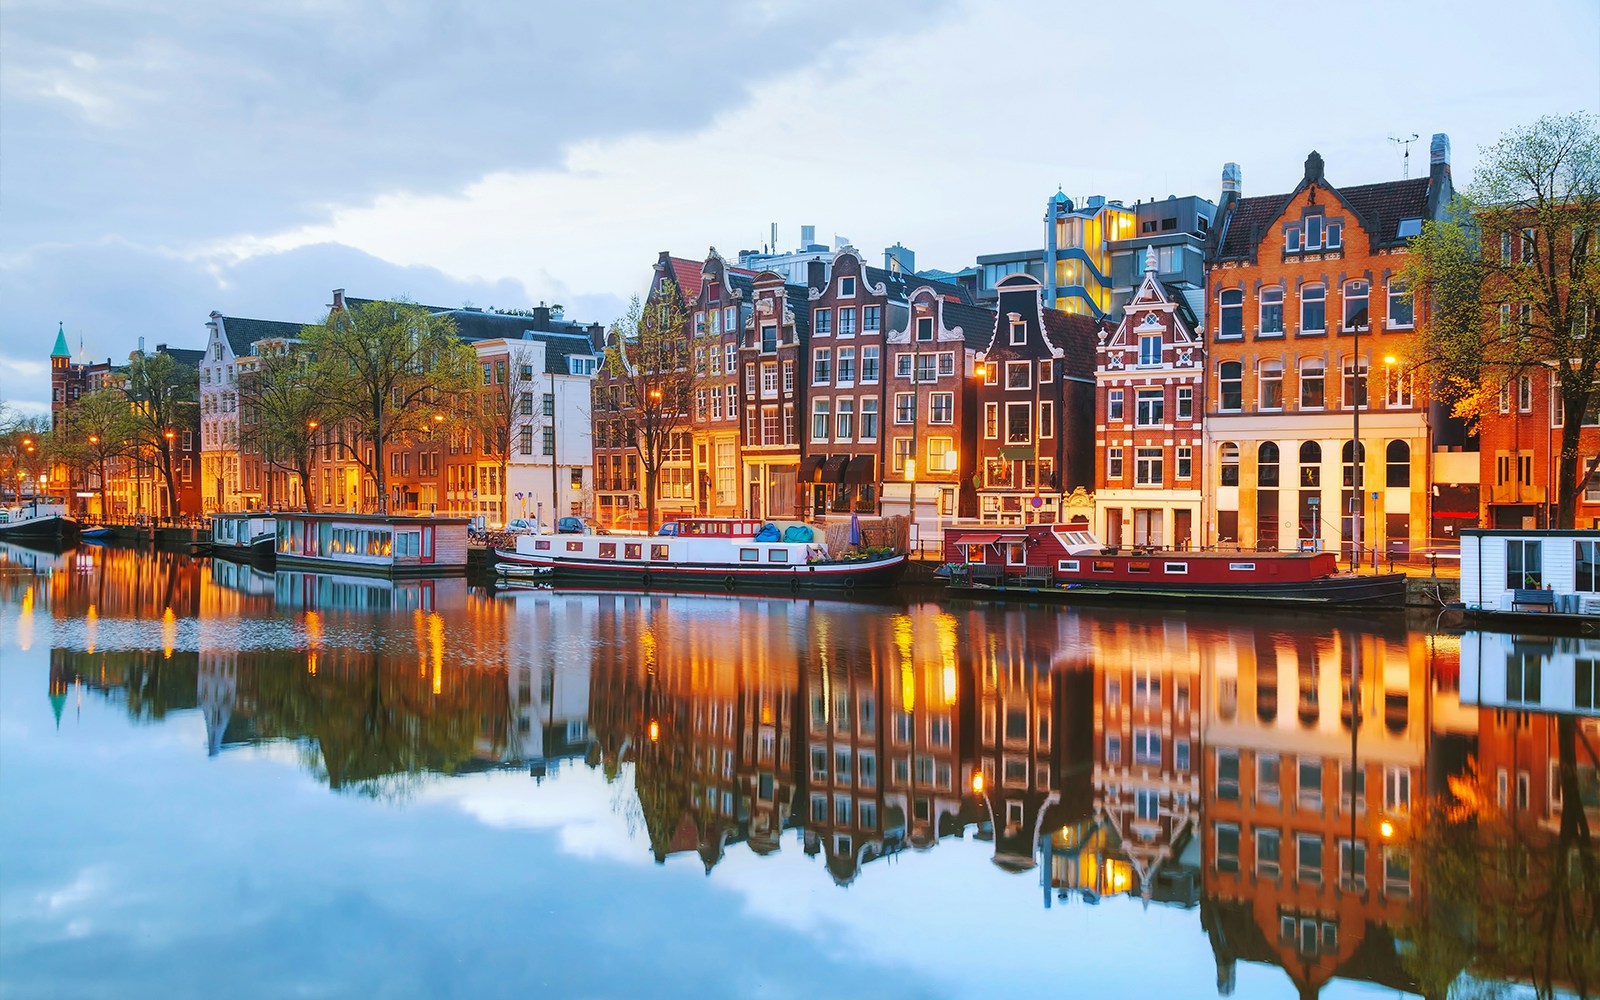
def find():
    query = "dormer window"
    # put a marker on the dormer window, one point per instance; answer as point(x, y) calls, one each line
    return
point(847, 287)
point(925, 328)
point(1019, 333)
point(1150, 351)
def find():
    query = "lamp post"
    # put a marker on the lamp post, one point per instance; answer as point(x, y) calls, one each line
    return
point(980, 371)
point(1389, 394)
point(911, 480)
point(1357, 390)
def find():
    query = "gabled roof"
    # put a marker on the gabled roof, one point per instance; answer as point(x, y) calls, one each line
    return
point(1380, 207)
point(687, 275)
point(185, 356)
point(976, 323)
point(243, 333)
point(1076, 336)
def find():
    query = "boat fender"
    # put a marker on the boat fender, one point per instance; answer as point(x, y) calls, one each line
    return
point(850, 584)
point(727, 583)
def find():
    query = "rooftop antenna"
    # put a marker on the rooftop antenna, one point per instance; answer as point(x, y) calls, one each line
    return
point(1405, 144)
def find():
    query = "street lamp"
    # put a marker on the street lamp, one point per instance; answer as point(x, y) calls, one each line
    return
point(911, 479)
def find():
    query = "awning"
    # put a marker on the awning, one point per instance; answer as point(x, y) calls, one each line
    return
point(862, 469)
point(1017, 454)
point(833, 468)
point(974, 539)
point(808, 468)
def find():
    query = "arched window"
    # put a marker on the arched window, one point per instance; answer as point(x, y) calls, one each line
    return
point(1267, 464)
point(1271, 310)
point(1230, 375)
point(1313, 383)
point(1230, 310)
point(1397, 462)
point(1311, 464)
point(1356, 293)
point(1313, 309)
point(1351, 450)
point(1229, 462)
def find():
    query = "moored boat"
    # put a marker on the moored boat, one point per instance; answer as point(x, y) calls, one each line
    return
point(1059, 562)
point(372, 544)
point(38, 522)
point(709, 554)
point(1535, 580)
point(244, 535)
point(97, 533)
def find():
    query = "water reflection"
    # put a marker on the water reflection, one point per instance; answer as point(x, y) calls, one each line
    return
point(1295, 784)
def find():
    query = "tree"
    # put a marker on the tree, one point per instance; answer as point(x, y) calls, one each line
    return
point(1511, 276)
point(650, 380)
point(501, 410)
point(97, 429)
point(286, 399)
point(160, 388)
point(23, 447)
point(389, 366)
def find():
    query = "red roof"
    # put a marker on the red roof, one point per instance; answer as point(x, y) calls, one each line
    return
point(687, 275)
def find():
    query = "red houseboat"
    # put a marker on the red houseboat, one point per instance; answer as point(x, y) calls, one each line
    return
point(1058, 562)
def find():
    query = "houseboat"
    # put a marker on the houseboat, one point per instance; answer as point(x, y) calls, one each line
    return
point(1063, 563)
point(1544, 580)
point(372, 544)
point(1531, 673)
point(37, 522)
point(241, 536)
point(705, 554)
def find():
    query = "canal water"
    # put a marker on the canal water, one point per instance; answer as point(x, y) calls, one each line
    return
point(218, 781)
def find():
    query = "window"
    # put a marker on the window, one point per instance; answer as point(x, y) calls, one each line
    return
point(1588, 575)
point(1309, 782)
point(1313, 224)
point(1268, 844)
point(1113, 750)
point(1228, 774)
point(525, 440)
point(1114, 464)
point(1047, 418)
point(821, 366)
point(904, 448)
point(1147, 466)
point(1267, 464)
point(1356, 294)
point(728, 364)
point(1185, 462)
point(1230, 376)
point(1019, 333)
point(769, 338)
point(926, 370)
point(1397, 461)
point(1396, 790)
point(1348, 457)
point(924, 328)
point(1333, 235)
point(941, 408)
point(847, 322)
point(1402, 315)
point(1149, 407)
point(940, 452)
point(1185, 402)
point(869, 365)
point(1523, 569)
point(1525, 394)
point(1114, 405)
point(1313, 309)
point(1230, 322)
point(1272, 311)
point(822, 322)
point(1355, 382)
point(525, 403)
point(1147, 805)
point(845, 422)
point(1227, 847)
point(1308, 857)
point(1586, 683)
point(1180, 748)
point(1229, 464)
point(871, 318)
point(769, 380)
point(1528, 246)
point(847, 366)
point(1313, 379)
point(1047, 370)
point(1399, 391)
point(991, 420)
point(820, 409)
point(1019, 423)
point(549, 440)
point(788, 378)
point(1150, 350)
point(847, 287)
point(1146, 747)
point(905, 407)
point(1271, 392)
point(869, 419)
point(1353, 864)
point(1017, 374)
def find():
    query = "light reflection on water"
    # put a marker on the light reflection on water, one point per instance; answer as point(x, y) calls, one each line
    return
point(1152, 783)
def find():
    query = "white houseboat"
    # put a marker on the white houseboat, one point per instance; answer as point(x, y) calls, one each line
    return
point(1533, 673)
point(372, 544)
point(1524, 578)
point(44, 521)
point(707, 554)
point(240, 536)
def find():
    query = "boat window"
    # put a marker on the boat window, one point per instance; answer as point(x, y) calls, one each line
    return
point(1016, 553)
point(408, 543)
point(1139, 566)
point(574, 546)
point(975, 553)
point(749, 555)
point(1067, 565)
point(778, 555)
point(608, 550)
point(658, 552)
point(1103, 566)
point(634, 551)
point(544, 544)
point(1180, 567)
point(1244, 567)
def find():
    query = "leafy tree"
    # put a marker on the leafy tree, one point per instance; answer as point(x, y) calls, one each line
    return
point(650, 381)
point(23, 452)
point(161, 388)
point(287, 398)
point(389, 366)
point(1512, 276)
point(98, 429)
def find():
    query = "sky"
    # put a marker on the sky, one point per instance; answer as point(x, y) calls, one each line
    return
point(161, 160)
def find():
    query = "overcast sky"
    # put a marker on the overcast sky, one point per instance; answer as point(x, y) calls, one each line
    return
point(162, 160)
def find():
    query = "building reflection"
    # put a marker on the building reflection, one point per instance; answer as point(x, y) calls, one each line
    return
point(1300, 784)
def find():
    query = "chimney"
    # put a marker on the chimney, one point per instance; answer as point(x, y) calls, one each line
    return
point(141, 345)
point(338, 300)
point(1439, 150)
point(817, 274)
point(1439, 182)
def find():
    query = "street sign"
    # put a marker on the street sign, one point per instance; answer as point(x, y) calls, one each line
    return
point(1038, 502)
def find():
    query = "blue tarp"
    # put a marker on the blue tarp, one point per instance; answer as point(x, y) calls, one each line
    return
point(797, 533)
point(768, 533)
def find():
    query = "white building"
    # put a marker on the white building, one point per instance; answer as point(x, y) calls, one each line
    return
point(229, 480)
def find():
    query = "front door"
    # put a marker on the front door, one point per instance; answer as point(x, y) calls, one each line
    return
point(1114, 527)
point(1182, 528)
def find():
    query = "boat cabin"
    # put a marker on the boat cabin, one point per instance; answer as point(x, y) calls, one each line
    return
point(240, 530)
point(1537, 572)
point(376, 544)
point(1533, 673)
point(713, 527)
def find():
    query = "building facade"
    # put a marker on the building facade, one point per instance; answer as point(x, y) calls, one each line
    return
point(1149, 403)
point(774, 347)
point(233, 475)
point(1311, 392)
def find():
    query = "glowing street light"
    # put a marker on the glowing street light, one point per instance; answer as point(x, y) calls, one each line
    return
point(977, 782)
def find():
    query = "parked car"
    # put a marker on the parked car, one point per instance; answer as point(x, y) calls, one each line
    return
point(521, 524)
point(579, 526)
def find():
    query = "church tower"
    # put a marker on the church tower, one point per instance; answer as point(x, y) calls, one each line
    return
point(60, 376)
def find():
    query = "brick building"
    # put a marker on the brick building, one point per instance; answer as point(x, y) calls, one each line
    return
point(1150, 397)
point(772, 352)
point(1306, 306)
